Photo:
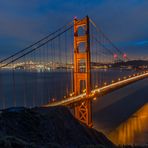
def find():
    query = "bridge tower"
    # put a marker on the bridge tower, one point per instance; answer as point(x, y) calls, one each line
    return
point(82, 111)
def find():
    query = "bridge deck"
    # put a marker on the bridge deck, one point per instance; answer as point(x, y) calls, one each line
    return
point(99, 91)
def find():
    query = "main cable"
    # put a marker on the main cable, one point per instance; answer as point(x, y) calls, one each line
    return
point(5, 59)
point(36, 47)
point(113, 45)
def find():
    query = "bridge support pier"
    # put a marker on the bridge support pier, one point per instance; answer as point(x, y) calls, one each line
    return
point(82, 111)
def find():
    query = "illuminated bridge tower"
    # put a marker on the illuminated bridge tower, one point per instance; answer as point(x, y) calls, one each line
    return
point(82, 111)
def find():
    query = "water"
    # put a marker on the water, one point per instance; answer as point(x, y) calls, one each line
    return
point(32, 88)
point(121, 115)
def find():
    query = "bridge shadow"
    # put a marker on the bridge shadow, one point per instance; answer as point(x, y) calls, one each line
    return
point(111, 116)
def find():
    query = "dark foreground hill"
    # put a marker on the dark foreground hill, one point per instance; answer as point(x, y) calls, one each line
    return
point(46, 127)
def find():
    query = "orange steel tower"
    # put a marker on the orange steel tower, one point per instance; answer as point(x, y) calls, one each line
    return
point(82, 111)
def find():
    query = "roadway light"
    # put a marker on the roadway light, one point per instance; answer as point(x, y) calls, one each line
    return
point(112, 81)
point(96, 86)
point(53, 99)
point(64, 97)
point(94, 98)
point(84, 90)
point(105, 83)
point(93, 93)
point(119, 79)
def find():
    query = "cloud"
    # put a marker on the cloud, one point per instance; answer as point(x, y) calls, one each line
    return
point(142, 43)
point(23, 22)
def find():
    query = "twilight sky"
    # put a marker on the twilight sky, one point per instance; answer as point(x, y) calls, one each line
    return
point(125, 22)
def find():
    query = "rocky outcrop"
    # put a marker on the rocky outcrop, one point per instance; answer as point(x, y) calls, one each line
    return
point(46, 127)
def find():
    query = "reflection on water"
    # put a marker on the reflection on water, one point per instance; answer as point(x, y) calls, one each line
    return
point(30, 88)
point(134, 130)
point(108, 111)
point(123, 114)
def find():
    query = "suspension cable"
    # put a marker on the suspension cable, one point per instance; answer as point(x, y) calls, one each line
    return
point(5, 59)
point(36, 48)
point(113, 45)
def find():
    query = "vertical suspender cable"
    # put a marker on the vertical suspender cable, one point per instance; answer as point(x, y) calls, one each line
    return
point(71, 62)
point(2, 86)
point(13, 77)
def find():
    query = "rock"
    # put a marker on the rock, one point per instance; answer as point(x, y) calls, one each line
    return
point(46, 127)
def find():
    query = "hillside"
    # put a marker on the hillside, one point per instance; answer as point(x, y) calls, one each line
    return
point(46, 127)
point(134, 63)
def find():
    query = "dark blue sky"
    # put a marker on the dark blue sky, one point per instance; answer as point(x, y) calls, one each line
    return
point(24, 21)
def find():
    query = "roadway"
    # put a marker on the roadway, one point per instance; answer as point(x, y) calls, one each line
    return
point(101, 91)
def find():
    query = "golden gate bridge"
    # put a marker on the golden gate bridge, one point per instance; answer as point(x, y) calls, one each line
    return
point(64, 68)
